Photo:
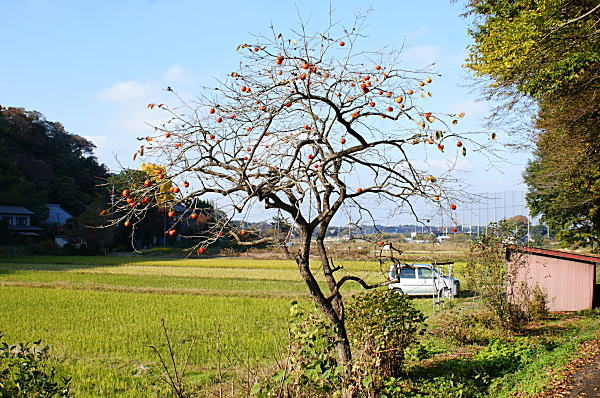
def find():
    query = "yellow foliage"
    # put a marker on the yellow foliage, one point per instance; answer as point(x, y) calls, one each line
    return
point(153, 171)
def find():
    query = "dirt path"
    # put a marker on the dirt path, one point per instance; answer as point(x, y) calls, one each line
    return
point(581, 378)
point(585, 382)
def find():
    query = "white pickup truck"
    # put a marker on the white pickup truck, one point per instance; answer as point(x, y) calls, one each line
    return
point(422, 280)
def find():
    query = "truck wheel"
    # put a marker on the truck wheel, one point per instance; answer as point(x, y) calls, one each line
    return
point(398, 290)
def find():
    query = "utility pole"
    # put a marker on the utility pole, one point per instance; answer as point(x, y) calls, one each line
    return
point(164, 239)
point(487, 211)
point(495, 206)
point(478, 217)
point(470, 223)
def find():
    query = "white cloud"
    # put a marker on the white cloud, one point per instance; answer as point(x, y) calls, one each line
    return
point(108, 149)
point(126, 114)
point(471, 108)
point(423, 55)
point(124, 91)
point(421, 31)
point(176, 74)
point(98, 140)
point(142, 120)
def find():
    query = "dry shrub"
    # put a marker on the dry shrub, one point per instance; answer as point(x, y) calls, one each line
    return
point(499, 285)
point(465, 325)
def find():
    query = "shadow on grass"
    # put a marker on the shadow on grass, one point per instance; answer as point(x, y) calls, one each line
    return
point(464, 377)
point(467, 293)
point(63, 263)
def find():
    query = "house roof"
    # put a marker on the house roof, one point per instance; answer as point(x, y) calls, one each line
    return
point(57, 214)
point(583, 258)
point(18, 210)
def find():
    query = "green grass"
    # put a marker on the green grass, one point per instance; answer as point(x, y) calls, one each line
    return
point(536, 376)
point(216, 262)
point(92, 328)
point(500, 364)
point(63, 262)
point(151, 283)
point(100, 314)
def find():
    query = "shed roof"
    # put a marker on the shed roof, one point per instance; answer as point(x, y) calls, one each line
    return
point(582, 258)
point(15, 210)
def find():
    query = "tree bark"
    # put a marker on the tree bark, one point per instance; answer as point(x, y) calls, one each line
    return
point(333, 309)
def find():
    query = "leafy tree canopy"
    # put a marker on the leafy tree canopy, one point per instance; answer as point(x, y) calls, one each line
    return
point(41, 163)
point(549, 51)
point(537, 47)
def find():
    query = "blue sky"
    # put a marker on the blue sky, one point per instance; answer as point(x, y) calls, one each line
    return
point(93, 66)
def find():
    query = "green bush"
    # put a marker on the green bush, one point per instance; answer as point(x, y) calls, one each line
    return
point(438, 387)
point(501, 356)
point(536, 304)
point(49, 248)
point(311, 369)
point(381, 324)
point(26, 370)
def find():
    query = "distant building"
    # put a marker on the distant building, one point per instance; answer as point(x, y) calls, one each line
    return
point(57, 215)
point(18, 220)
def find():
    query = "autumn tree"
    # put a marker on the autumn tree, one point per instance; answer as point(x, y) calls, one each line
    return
point(294, 129)
point(40, 162)
point(151, 228)
point(545, 56)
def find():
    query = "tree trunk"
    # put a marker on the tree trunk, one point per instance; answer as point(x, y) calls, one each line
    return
point(333, 314)
point(338, 306)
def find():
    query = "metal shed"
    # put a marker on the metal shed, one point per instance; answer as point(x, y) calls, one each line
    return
point(569, 279)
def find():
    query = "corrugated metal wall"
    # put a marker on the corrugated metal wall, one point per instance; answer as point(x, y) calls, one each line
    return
point(568, 283)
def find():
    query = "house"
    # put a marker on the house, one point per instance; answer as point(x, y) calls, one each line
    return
point(18, 220)
point(57, 215)
point(569, 279)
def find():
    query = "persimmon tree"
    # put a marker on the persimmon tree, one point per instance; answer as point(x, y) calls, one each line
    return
point(294, 129)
